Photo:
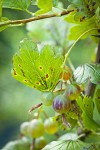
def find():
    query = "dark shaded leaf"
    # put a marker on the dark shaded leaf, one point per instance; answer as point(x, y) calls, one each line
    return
point(93, 138)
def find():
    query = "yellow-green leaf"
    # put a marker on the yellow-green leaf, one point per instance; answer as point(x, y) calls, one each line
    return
point(37, 69)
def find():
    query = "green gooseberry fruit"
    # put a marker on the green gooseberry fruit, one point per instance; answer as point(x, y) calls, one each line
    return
point(24, 128)
point(36, 128)
point(72, 91)
point(61, 104)
point(40, 142)
point(47, 98)
point(51, 126)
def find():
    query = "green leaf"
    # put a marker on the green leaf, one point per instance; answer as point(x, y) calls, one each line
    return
point(80, 102)
point(97, 100)
point(90, 123)
point(55, 3)
point(88, 71)
point(78, 30)
point(86, 105)
point(33, 2)
point(16, 4)
point(69, 136)
point(93, 138)
point(1, 8)
point(97, 2)
point(68, 145)
point(76, 1)
point(39, 70)
point(44, 5)
point(3, 20)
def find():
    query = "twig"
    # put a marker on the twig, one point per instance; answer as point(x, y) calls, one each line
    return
point(40, 17)
point(34, 107)
point(32, 147)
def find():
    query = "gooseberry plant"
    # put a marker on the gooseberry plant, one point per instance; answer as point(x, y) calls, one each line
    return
point(74, 94)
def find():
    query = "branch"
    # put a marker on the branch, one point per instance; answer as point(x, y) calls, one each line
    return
point(24, 21)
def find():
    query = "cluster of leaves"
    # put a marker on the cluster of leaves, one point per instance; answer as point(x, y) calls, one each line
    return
point(85, 17)
point(85, 14)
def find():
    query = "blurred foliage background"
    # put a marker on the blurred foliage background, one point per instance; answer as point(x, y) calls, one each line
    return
point(15, 98)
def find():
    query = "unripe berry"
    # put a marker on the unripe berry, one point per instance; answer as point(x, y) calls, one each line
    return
point(24, 128)
point(66, 74)
point(47, 98)
point(36, 128)
point(51, 126)
point(72, 91)
point(40, 142)
point(61, 104)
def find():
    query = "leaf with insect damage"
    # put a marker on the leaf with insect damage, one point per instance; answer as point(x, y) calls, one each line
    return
point(37, 69)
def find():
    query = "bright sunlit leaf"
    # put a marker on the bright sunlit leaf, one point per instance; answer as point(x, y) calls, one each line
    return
point(39, 70)
point(44, 5)
point(68, 145)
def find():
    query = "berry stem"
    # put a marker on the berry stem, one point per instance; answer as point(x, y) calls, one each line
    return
point(70, 64)
point(61, 87)
point(32, 147)
point(67, 124)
